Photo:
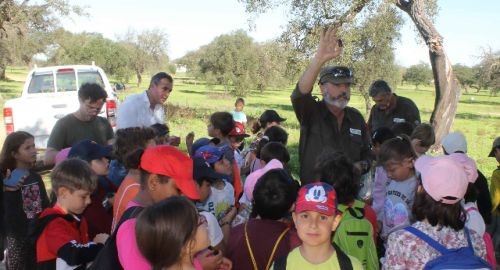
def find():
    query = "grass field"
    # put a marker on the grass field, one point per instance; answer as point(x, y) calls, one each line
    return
point(191, 102)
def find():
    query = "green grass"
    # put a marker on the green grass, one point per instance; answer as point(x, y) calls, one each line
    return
point(191, 103)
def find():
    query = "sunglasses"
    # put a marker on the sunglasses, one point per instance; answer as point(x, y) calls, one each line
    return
point(338, 72)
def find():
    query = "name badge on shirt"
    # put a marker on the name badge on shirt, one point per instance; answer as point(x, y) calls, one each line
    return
point(355, 131)
point(398, 120)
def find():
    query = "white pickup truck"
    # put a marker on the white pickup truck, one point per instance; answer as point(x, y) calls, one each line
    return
point(49, 94)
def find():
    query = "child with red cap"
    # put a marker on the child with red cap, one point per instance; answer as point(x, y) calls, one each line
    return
point(316, 218)
point(165, 172)
point(236, 138)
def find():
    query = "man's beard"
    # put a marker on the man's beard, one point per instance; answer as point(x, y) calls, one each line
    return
point(339, 103)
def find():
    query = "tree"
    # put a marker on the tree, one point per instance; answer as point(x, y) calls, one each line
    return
point(466, 76)
point(146, 50)
point(307, 16)
point(271, 70)
point(228, 60)
point(368, 41)
point(85, 48)
point(418, 74)
point(20, 20)
point(372, 51)
point(489, 71)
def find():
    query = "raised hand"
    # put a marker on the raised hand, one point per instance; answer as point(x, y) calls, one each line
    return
point(330, 46)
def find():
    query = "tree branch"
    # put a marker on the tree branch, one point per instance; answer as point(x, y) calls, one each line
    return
point(404, 5)
point(416, 11)
point(350, 14)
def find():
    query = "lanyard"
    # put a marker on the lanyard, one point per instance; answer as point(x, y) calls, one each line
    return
point(272, 253)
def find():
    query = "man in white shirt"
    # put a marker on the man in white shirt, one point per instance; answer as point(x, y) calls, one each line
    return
point(146, 108)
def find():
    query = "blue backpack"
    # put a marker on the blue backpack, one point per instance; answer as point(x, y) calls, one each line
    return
point(455, 258)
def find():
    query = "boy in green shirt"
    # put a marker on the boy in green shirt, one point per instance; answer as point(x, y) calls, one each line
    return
point(495, 177)
point(315, 219)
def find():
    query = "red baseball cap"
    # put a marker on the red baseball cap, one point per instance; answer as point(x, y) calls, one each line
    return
point(238, 130)
point(318, 197)
point(169, 161)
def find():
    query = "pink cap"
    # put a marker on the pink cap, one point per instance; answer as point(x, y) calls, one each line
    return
point(257, 174)
point(446, 178)
point(318, 197)
point(62, 155)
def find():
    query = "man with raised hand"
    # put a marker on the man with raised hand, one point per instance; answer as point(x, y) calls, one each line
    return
point(328, 123)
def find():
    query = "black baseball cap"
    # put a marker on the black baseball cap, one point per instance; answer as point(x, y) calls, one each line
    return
point(336, 75)
point(271, 116)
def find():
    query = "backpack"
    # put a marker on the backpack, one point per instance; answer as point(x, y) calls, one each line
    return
point(107, 258)
point(490, 250)
point(344, 261)
point(354, 235)
point(35, 229)
point(454, 258)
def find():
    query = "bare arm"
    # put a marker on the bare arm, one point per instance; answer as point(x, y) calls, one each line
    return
point(50, 156)
point(328, 49)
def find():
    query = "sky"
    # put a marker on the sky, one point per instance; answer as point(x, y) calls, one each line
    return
point(468, 27)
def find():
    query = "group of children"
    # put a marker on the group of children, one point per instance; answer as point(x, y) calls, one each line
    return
point(228, 203)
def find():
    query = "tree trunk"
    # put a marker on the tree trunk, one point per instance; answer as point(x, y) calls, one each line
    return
point(362, 89)
point(2, 72)
point(447, 95)
point(139, 78)
point(446, 85)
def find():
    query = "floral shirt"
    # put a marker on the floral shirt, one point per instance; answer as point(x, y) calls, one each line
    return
point(407, 251)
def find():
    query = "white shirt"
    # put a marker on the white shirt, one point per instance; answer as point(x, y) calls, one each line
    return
point(214, 231)
point(219, 201)
point(135, 112)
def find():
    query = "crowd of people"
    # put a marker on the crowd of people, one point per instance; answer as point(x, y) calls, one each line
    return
point(368, 195)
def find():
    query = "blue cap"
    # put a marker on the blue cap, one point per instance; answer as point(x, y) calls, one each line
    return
point(210, 154)
point(199, 143)
point(89, 150)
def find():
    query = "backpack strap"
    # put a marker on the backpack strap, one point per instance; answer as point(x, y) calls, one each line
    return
point(467, 234)
point(107, 258)
point(433, 243)
point(280, 263)
point(351, 208)
point(470, 209)
point(36, 228)
point(344, 260)
point(129, 213)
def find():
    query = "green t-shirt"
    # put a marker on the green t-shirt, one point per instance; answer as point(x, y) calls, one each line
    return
point(295, 261)
point(69, 130)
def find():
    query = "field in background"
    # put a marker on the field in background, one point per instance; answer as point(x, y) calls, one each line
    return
point(191, 102)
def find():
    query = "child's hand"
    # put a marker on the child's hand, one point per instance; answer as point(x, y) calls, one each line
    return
point(190, 138)
point(225, 265)
point(230, 214)
point(16, 187)
point(174, 140)
point(210, 259)
point(101, 238)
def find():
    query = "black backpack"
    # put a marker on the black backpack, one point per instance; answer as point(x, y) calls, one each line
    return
point(35, 229)
point(107, 258)
point(344, 260)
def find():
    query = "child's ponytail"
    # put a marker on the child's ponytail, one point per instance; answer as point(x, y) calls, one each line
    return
point(397, 148)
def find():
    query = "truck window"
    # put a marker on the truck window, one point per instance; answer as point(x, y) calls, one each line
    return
point(66, 80)
point(85, 76)
point(41, 83)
